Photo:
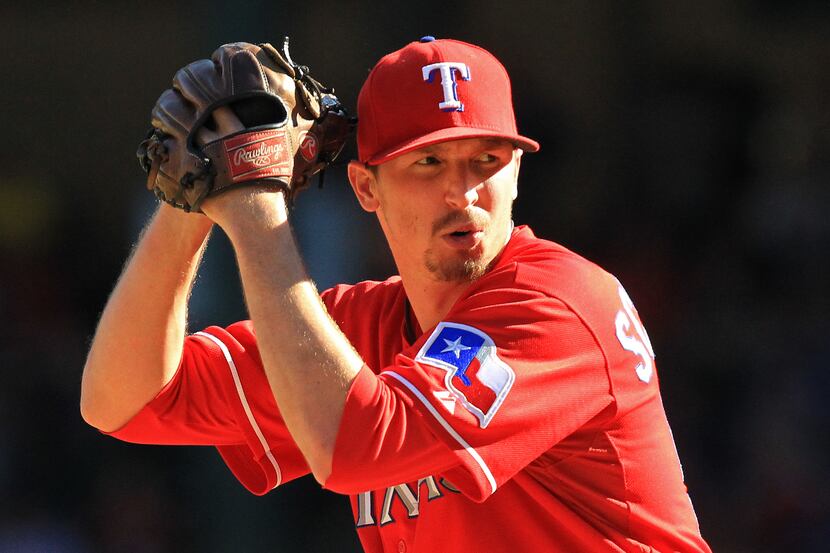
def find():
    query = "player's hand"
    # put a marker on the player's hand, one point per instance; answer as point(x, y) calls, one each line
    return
point(226, 123)
point(245, 204)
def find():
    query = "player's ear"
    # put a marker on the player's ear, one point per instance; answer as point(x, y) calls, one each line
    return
point(363, 181)
point(517, 156)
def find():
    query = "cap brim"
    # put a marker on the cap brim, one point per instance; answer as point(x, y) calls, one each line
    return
point(452, 133)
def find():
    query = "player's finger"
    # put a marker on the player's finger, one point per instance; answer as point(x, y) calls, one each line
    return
point(226, 121)
point(204, 135)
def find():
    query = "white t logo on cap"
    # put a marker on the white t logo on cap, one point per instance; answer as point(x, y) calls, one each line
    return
point(448, 83)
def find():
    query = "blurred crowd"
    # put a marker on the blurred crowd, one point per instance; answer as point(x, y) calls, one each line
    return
point(685, 148)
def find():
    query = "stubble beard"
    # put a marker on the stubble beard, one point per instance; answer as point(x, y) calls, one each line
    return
point(455, 270)
point(465, 266)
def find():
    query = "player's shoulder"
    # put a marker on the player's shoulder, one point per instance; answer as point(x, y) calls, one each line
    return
point(241, 332)
point(236, 338)
point(539, 268)
point(552, 269)
point(364, 294)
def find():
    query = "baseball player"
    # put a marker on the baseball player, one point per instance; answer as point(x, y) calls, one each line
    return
point(499, 394)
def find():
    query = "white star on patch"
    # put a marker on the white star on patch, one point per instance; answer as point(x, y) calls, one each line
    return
point(455, 347)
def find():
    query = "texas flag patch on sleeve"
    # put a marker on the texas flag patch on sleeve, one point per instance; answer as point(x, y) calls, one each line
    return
point(476, 376)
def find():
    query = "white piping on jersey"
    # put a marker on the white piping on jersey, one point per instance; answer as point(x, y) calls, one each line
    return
point(450, 430)
point(244, 400)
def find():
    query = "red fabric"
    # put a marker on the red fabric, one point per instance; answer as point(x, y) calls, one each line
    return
point(579, 450)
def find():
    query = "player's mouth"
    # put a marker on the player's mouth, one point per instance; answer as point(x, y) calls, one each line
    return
point(464, 237)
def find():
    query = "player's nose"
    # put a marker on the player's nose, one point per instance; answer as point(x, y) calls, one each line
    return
point(461, 187)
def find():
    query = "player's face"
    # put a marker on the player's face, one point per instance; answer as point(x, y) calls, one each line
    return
point(446, 208)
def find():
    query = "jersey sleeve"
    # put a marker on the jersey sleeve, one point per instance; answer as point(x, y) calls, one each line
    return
point(220, 396)
point(506, 376)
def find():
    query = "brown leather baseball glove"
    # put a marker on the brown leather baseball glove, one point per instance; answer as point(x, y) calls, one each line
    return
point(293, 126)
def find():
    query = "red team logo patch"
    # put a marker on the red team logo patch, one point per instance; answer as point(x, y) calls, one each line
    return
point(257, 155)
point(475, 374)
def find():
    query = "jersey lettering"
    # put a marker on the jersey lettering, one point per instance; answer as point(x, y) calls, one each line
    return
point(409, 499)
point(632, 336)
point(365, 508)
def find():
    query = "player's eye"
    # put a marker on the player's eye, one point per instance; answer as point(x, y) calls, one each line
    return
point(427, 160)
point(486, 158)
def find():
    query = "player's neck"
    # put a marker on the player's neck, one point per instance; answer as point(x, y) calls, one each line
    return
point(431, 300)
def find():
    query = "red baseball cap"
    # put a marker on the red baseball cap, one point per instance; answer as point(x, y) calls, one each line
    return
point(431, 91)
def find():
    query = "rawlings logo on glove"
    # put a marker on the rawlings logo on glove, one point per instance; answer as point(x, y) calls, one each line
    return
point(257, 155)
point(308, 147)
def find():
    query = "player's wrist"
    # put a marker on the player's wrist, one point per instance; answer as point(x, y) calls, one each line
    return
point(197, 223)
point(247, 209)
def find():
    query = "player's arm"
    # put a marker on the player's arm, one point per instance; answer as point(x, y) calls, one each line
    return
point(138, 343)
point(309, 363)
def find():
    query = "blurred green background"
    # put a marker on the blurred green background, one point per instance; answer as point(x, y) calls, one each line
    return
point(685, 148)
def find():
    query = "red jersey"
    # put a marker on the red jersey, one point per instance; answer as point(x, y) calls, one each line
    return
point(529, 419)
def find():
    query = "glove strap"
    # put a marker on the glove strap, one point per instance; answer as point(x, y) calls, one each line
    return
point(263, 154)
